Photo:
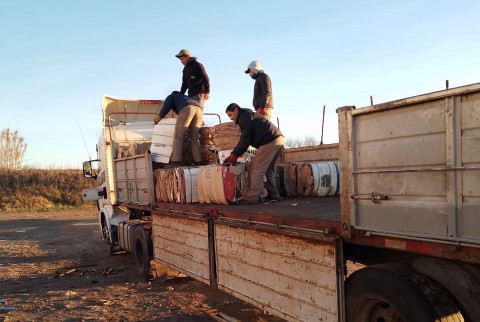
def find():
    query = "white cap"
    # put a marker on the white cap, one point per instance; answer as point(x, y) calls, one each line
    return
point(254, 66)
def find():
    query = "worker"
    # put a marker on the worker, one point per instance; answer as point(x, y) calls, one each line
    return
point(257, 131)
point(195, 78)
point(262, 90)
point(190, 115)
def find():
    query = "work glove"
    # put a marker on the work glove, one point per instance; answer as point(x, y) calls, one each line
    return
point(157, 119)
point(231, 159)
point(261, 111)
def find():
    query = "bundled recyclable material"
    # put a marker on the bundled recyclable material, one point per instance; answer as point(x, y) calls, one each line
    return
point(162, 141)
point(177, 185)
point(226, 136)
point(206, 184)
point(318, 179)
point(209, 154)
point(221, 184)
point(307, 179)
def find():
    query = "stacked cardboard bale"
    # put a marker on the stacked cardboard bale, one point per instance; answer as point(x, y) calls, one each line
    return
point(207, 184)
point(226, 136)
point(291, 179)
point(318, 179)
point(223, 184)
point(164, 182)
point(162, 143)
point(281, 170)
point(220, 184)
point(307, 179)
point(237, 176)
point(207, 147)
point(176, 185)
point(210, 184)
point(209, 154)
point(287, 178)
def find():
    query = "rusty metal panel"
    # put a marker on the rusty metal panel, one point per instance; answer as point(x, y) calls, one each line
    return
point(416, 166)
point(182, 244)
point(288, 276)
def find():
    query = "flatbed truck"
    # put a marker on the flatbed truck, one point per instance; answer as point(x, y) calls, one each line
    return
point(401, 242)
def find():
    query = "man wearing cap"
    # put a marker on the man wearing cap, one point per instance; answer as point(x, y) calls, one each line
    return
point(260, 133)
point(194, 79)
point(262, 91)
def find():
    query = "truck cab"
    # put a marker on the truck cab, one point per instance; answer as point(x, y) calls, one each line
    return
point(127, 131)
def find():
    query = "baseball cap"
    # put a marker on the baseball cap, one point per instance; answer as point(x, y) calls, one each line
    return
point(254, 66)
point(183, 52)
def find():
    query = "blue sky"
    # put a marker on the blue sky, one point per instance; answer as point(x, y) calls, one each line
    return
point(58, 58)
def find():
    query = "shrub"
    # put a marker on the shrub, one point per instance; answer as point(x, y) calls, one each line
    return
point(40, 190)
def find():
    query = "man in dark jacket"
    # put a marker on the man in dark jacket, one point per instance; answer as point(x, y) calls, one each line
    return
point(195, 78)
point(260, 133)
point(190, 115)
point(262, 91)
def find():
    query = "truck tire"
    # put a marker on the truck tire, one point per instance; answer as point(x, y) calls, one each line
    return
point(140, 251)
point(106, 236)
point(379, 293)
point(441, 300)
point(460, 279)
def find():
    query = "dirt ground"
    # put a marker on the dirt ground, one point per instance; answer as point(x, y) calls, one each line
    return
point(55, 267)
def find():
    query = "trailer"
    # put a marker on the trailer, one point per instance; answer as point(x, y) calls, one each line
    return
point(401, 242)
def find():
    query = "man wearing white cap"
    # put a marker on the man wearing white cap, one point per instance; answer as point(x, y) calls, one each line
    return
point(262, 91)
point(194, 79)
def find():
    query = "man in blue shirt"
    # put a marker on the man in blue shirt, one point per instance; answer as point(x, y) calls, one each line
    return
point(190, 115)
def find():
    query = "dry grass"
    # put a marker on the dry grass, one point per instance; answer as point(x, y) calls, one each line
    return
point(42, 190)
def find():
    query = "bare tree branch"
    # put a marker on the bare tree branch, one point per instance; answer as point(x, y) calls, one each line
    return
point(297, 143)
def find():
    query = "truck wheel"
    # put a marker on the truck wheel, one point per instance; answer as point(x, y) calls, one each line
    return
point(106, 235)
point(142, 260)
point(380, 294)
point(460, 279)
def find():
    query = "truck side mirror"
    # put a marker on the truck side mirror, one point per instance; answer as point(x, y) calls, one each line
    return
point(89, 171)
